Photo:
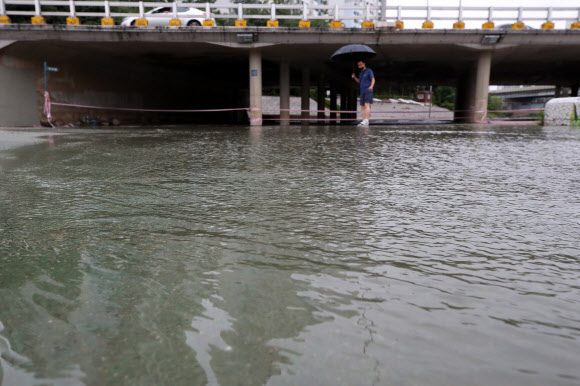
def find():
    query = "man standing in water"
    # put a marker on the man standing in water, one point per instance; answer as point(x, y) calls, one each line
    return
point(366, 80)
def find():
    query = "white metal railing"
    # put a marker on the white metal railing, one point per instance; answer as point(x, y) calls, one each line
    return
point(311, 11)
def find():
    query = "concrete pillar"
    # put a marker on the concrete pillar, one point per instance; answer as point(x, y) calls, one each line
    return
point(460, 95)
point(333, 103)
point(574, 91)
point(284, 93)
point(18, 97)
point(558, 91)
point(465, 96)
point(255, 87)
point(305, 101)
point(483, 71)
point(355, 105)
point(321, 98)
point(343, 104)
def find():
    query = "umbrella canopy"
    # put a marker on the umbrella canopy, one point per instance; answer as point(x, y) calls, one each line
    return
point(353, 52)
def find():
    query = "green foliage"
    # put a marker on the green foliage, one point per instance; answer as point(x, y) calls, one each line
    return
point(540, 117)
point(495, 103)
point(444, 96)
point(574, 117)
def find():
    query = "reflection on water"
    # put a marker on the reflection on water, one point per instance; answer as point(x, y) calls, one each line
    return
point(319, 255)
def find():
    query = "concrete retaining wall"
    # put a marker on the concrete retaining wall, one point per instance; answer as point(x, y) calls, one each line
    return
point(18, 100)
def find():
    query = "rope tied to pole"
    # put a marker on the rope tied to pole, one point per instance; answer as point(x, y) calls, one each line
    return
point(47, 108)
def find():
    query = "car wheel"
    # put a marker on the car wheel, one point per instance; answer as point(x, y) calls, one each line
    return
point(194, 23)
point(133, 22)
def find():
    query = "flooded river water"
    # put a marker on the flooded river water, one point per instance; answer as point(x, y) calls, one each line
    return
point(304, 256)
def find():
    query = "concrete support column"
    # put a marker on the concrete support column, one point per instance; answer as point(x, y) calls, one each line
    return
point(333, 103)
point(558, 91)
point(354, 92)
point(305, 101)
point(321, 98)
point(255, 87)
point(465, 97)
point(483, 71)
point(343, 104)
point(284, 94)
point(460, 95)
point(574, 91)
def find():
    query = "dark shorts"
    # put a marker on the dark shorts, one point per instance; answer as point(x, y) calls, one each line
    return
point(366, 97)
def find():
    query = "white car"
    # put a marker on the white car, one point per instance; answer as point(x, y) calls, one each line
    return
point(160, 16)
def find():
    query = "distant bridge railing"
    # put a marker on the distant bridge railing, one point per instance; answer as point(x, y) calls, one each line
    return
point(368, 15)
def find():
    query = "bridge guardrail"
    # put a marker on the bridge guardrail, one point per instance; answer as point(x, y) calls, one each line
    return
point(368, 14)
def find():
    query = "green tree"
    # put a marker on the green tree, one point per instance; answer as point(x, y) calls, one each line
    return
point(495, 103)
point(444, 96)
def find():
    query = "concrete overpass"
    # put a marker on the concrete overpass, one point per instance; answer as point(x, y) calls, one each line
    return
point(531, 97)
point(209, 68)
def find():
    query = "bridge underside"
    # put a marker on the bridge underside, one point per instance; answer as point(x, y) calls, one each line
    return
point(162, 68)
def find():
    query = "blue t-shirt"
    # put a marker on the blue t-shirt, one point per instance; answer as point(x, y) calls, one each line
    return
point(366, 78)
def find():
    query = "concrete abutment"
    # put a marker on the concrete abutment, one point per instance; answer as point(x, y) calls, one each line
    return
point(18, 97)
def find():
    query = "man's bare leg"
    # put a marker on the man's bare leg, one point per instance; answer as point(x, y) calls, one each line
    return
point(366, 111)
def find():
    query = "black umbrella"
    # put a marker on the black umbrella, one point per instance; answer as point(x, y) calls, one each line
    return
point(353, 52)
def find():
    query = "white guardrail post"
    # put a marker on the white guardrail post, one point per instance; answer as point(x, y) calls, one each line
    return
point(107, 9)
point(2, 8)
point(72, 8)
point(141, 10)
point(37, 8)
point(240, 12)
point(383, 10)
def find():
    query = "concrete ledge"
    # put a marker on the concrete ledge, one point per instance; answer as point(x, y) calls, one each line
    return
point(285, 35)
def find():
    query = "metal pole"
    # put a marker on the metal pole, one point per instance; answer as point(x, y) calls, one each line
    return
point(45, 77)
